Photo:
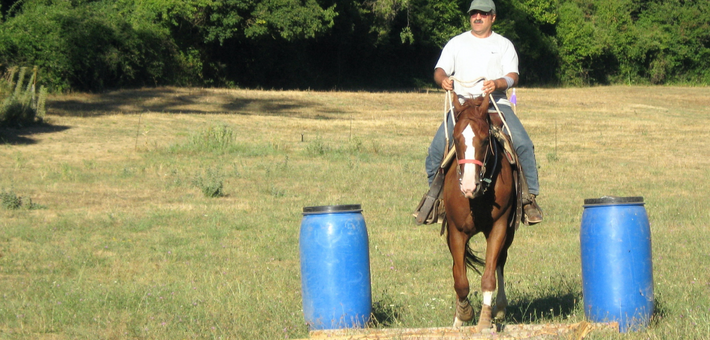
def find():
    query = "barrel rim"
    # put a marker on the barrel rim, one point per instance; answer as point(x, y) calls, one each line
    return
point(612, 200)
point(328, 209)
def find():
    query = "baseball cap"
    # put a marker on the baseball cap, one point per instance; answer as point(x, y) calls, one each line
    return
point(483, 6)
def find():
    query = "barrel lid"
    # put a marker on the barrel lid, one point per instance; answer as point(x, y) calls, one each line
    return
point(611, 200)
point(327, 209)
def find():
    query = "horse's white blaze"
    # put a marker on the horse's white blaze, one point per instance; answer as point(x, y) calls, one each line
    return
point(468, 178)
point(487, 298)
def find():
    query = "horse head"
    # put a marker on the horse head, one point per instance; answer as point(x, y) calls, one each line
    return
point(471, 138)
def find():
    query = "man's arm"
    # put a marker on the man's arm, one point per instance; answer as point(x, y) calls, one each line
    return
point(500, 83)
point(442, 79)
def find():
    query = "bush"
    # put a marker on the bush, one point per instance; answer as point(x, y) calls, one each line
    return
point(22, 104)
point(88, 46)
point(217, 138)
point(10, 201)
point(210, 183)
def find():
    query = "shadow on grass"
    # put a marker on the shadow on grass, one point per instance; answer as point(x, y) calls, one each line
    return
point(23, 136)
point(660, 312)
point(384, 313)
point(547, 307)
point(186, 101)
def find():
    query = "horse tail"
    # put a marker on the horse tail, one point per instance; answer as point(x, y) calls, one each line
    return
point(473, 261)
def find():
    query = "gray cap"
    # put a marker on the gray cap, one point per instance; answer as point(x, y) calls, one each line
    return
point(483, 6)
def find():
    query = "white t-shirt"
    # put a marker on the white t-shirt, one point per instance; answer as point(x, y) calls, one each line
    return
point(467, 58)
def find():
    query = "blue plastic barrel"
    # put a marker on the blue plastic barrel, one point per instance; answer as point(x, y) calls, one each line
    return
point(335, 267)
point(617, 271)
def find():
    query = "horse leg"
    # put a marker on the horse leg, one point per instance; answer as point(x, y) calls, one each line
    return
point(494, 243)
point(488, 285)
point(501, 299)
point(457, 246)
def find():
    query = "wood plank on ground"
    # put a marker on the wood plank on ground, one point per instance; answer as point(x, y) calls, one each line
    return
point(574, 331)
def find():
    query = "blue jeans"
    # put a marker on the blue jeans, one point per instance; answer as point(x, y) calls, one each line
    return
point(522, 143)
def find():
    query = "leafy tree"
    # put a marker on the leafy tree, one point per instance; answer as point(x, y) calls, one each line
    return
point(674, 40)
point(87, 47)
point(530, 25)
point(631, 41)
point(580, 45)
point(383, 44)
point(220, 20)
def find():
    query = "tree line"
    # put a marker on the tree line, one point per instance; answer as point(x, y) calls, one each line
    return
point(95, 45)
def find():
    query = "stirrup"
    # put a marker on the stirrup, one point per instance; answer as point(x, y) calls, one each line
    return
point(430, 207)
point(532, 212)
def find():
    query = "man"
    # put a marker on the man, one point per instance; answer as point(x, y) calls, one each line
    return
point(484, 53)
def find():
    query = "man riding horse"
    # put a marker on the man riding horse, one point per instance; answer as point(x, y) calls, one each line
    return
point(486, 55)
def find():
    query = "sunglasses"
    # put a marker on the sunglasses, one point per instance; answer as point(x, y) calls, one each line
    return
point(481, 13)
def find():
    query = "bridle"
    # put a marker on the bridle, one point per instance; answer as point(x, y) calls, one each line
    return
point(486, 169)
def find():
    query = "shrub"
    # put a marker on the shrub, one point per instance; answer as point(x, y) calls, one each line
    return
point(217, 138)
point(22, 104)
point(10, 201)
point(88, 45)
point(210, 183)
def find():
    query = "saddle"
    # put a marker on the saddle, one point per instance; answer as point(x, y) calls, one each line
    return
point(430, 209)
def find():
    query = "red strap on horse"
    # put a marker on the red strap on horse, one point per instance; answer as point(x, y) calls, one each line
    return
point(474, 161)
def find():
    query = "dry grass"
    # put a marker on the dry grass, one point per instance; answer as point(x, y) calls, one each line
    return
point(122, 224)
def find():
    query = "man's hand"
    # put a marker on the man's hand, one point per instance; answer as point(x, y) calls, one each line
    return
point(443, 80)
point(489, 86)
point(447, 84)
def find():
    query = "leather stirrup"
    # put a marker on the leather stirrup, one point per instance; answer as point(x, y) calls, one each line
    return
point(428, 202)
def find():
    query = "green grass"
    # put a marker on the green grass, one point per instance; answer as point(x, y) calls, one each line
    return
point(128, 246)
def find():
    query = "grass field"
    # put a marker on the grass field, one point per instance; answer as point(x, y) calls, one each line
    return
point(174, 213)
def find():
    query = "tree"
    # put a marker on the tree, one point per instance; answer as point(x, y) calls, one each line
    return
point(674, 41)
point(218, 20)
point(582, 47)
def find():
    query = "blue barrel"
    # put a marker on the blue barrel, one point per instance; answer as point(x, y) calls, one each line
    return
point(617, 272)
point(335, 267)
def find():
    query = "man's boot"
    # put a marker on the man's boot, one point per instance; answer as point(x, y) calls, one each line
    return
point(533, 213)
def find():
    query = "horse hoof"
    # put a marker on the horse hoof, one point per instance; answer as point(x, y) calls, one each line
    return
point(457, 322)
point(485, 328)
point(499, 313)
point(485, 321)
point(464, 311)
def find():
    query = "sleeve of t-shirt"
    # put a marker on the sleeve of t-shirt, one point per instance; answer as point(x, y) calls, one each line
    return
point(510, 59)
point(446, 59)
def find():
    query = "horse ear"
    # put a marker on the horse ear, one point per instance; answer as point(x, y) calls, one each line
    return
point(458, 108)
point(484, 105)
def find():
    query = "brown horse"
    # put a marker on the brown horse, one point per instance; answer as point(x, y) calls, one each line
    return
point(479, 196)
